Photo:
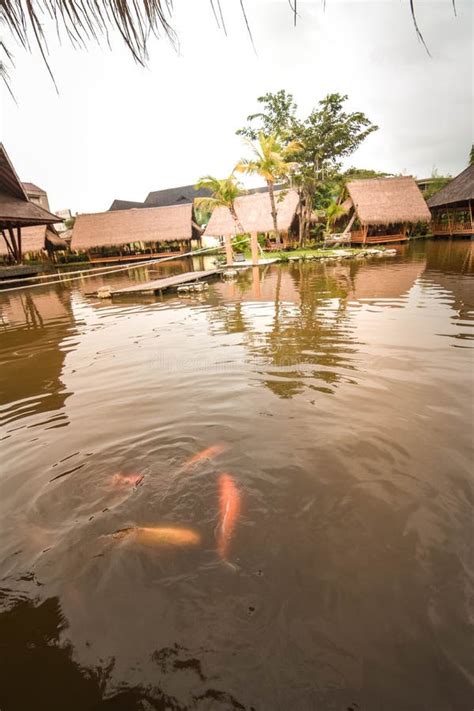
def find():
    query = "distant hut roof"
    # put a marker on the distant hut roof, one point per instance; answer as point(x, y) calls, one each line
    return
point(254, 213)
point(15, 207)
point(153, 224)
point(175, 196)
point(125, 205)
point(35, 239)
point(387, 201)
point(32, 188)
point(459, 189)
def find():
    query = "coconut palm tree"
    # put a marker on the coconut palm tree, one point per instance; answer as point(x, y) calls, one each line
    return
point(223, 194)
point(333, 212)
point(270, 161)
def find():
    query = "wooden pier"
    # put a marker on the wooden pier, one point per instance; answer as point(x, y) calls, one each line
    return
point(158, 286)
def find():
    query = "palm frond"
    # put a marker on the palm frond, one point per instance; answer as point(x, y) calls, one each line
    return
point(83, 20)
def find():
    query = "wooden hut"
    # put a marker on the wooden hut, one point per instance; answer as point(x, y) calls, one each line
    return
point(37, 242)
point(452, 207)
point(382, 210)
point(16, 210)
point(254, 215)
point(128, 235)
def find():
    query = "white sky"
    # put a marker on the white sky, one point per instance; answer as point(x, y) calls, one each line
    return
point(117, 130)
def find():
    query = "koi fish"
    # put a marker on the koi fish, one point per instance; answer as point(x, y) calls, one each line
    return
point(229, 511)
point(159, 536)
point(120, 481)
point(208, 453)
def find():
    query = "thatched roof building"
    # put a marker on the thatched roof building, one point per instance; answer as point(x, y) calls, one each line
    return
point(388, 201)
point(452, 207)
point(36, 240)
point(384, 208)
point(123, 227)
point(460, 189)
point(16, 210)
point(254, 213)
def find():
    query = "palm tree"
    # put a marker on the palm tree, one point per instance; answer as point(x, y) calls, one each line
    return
point(333, 212)
point(270, 161)
point(223, 194)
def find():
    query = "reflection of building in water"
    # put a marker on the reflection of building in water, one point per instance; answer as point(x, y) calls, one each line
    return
point(32, 328)
point(372, 281)
point(450, 265)
point(297, 317)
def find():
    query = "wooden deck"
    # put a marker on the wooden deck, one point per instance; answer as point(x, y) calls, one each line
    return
point(160, 285)
point(357, 237)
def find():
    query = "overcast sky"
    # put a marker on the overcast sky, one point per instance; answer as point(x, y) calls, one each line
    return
point(117, 130)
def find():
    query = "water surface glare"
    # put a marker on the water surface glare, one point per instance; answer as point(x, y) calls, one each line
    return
point(337, 403)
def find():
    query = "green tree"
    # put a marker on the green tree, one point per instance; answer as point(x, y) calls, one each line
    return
point(278, 117)
point(223, 194)
point(436, 184)
point(333, 212)
point(271, 160)
point(328, 135)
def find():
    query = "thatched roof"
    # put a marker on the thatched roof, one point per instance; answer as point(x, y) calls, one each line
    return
point(254, 212)
point(460, 189)
point(35, 239)
point(153, 224)
point(15, 207)
point(388, 201)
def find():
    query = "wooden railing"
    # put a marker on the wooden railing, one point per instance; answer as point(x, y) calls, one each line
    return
point(455, 228)
point(357, 237)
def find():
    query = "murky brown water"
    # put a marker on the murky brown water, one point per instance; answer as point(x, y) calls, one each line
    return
point(344, 394)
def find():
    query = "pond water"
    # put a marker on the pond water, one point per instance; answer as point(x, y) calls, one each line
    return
point(337, 398)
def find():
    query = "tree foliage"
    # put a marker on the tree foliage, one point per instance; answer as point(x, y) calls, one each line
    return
point(326, 136)
point(224, 193)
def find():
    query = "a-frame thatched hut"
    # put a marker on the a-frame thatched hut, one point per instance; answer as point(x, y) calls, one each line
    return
point(254, 216)
point(16, 210)
point(37, 243)
point(383, 209)
point(452, 207)
point(128, 235)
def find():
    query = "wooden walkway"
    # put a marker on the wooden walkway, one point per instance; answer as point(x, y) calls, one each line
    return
point(159, 285)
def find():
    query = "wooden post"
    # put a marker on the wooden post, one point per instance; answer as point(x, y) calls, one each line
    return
point(365, 230)
point(254, 247)
point(19, 243)
point(256, 283)
point(228, 251)
point(14, 244)
point(9, 247)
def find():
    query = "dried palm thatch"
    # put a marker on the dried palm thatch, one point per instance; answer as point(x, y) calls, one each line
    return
point(388, 201)
point(36, 239)
point(117, 227)
point(135, 20)
point(254, 213)
point(460, 189)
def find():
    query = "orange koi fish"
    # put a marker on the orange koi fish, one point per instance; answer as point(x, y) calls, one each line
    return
point(208, 453)
point(229, 511)
point(159, 536)
point(121, 481)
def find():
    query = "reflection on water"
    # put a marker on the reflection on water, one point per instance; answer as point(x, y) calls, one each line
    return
point(338, 398)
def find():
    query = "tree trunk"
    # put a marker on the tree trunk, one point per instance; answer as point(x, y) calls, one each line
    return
point(238, 224)
point(273, 212)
